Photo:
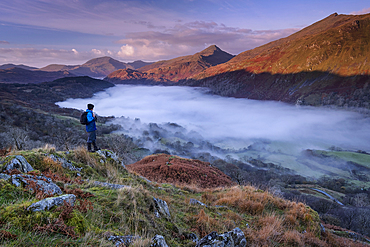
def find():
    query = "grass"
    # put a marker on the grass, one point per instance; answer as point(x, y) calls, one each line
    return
point(100, 212)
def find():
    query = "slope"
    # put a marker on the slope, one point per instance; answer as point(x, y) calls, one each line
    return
point(175, 69)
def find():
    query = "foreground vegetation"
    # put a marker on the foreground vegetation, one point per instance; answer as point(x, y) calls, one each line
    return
point(101, 212)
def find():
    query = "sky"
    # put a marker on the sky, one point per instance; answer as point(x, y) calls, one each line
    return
point(41, 32)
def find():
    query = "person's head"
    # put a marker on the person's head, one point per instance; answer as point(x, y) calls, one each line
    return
point(90, 106)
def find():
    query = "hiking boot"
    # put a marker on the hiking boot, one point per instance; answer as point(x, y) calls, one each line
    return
point(95, 147)
point(89, 148)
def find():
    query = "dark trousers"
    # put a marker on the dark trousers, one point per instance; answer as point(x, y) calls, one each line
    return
point(92, 137)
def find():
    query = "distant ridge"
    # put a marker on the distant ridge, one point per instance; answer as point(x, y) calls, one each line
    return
point(175, 69)
point(18, 75)
point(97, 67)
point(10, 65)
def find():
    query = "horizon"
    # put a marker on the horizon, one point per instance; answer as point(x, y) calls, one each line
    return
point(78, 31)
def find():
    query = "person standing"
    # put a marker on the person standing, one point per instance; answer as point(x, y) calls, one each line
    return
point(91, 128)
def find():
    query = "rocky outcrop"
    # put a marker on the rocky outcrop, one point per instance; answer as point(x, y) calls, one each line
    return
point(19, 163)
point(158, 241)
point(161, 208)
point(234, 238)
point(48, 203)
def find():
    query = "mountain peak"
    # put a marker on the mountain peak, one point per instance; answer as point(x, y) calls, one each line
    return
point(210, 50)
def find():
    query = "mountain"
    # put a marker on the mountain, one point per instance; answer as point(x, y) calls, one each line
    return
point(10, 65)
point(18, 75)
point(325, 63)
point(97, 67)
point(175, 69)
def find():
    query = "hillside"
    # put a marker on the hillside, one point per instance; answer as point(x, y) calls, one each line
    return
point(172, 70)
point(323, 64)
point(97, 67)
point(19, 75)
point(89, 199)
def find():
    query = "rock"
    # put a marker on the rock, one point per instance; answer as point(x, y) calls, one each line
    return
point(108, 154)
point(5, 176)
point(191, 236)
point(161, 208)
point(65, 163)
point(50, 202)
point(123, 240)
point(158, 241)
point(112, 186)
point(43, 183)
point(19, 163)
point(234, 238)
point(194, 201)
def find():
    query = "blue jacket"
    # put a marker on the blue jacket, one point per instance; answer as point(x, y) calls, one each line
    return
point(90, 126)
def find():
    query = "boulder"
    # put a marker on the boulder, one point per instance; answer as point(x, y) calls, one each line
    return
point(158, 241)
point(42, 183)
point(161, 208)
point(19, 163)
point(50, 202)
point(234, 238)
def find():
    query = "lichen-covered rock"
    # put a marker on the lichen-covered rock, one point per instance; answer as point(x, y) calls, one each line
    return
point(161, 208)
point(42, 183)
point(5, 176)
point(194, 201)
point(123, 240)
point(158, 241)
point(108, 154)
point(234, 238)
point(19, 163)
point(48, 203)
point(65, 163)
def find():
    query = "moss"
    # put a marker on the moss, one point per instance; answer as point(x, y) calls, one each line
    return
point(17, 215)
point(78, 222)
point(10, 192)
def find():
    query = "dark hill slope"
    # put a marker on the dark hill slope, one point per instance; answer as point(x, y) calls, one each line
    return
point(18, 75)
point(175, 69)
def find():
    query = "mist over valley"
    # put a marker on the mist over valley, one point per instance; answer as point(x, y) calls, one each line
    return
point(223, 127)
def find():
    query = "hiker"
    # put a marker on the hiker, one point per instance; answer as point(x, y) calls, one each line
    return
point(91, 128)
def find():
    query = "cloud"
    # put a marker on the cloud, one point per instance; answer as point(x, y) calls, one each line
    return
point(33, 56)
point(192, 37)
point(361, 12)
point(2, 42)
point(86, 16)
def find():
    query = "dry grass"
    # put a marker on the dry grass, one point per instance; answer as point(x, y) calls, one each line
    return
point(51, 165)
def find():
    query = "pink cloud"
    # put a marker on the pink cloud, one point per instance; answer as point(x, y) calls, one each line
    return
point(361, 12)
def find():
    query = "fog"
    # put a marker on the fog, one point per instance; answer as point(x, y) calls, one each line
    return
point(220, 119)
